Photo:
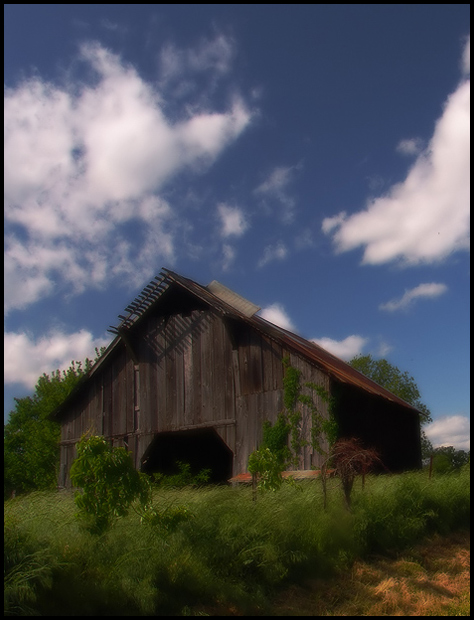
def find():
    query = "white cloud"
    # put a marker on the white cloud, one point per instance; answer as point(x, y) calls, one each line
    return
point(427, 290)
point(278, 251)
point(276, 314)
point(275, 187)
point(330, 223)
point(345, 349)
point(451, 430)
point(25, 359)
point(410, 146)
point(426, 217)
point(84, 164)
point(232, 220)
point(210, 55)
point(229, 254)
point(466, 58)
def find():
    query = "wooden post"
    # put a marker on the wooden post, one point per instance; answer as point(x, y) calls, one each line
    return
point(431, 466)
point(254, 487)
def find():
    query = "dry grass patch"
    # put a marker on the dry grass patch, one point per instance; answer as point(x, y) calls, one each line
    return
point(431, 579)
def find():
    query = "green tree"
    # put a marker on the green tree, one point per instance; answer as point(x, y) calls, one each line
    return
point(108, 482)
point(402, 384)
point(31, 451)
point(426, 446)
point(447, 458)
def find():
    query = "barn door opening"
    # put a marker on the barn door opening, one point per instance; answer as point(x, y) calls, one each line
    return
point(201, 448)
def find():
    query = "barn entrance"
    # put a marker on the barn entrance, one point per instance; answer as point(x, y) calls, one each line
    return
point(201, 448)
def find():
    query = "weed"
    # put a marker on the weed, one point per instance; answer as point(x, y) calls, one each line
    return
point(227, 552)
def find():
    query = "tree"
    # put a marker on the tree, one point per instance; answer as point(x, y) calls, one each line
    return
point(390, 377)
point(447, 459)
point(31, 450)
point(108, 482)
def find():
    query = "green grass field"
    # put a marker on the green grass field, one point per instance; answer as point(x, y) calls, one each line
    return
point(232, 553)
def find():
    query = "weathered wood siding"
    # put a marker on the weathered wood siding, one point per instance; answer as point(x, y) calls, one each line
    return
point(189, 370)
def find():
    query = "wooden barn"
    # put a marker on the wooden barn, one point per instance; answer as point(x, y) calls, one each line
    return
point(193, 373)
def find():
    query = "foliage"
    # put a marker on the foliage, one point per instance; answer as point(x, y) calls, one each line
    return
point(272, 458)
point(447, 459)
point(228, 558)
point(167, 518)
point(31, 452)
point(426, 445)
point(265, 463)
point(183, 478)
point(390, 377)
point(324, 430)
point(109, 483)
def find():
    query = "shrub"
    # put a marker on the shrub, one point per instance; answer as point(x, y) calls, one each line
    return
point(109, 483)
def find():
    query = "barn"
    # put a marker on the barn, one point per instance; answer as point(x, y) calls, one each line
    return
point(193, 372)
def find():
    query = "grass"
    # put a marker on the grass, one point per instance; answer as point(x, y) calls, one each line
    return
point(232, 554)
point(428, 579)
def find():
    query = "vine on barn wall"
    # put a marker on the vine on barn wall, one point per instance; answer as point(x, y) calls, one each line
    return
point(321, 427)
point(273, 456)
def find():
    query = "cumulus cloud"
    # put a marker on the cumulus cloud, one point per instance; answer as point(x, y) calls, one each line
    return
point(27, 359)
point(426, 217)
point(232, 221)
point(451, 430)
point(271, 253)
point(84, 164)
point(428, 290)
point(345, 349)
point(276, 314)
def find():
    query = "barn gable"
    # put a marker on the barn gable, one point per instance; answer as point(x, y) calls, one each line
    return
point(193, 371)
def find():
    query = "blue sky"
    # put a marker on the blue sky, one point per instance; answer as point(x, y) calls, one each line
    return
point(313, 158)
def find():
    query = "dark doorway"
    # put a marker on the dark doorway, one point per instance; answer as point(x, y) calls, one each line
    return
point(201, 448)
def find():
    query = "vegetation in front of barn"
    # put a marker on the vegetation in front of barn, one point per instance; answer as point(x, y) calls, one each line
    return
point(227, 558)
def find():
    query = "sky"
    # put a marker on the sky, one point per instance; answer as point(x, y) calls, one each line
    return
point(312, 158)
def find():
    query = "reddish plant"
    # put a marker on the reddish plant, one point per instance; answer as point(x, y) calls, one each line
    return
point(350, 459)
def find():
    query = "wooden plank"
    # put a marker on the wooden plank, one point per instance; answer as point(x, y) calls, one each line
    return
point(216, 425)
point(159, 417)
point(267, 365)
point(206, 363)
point(130, 396)
point(107, 400)
point(170, 388)
point(219, 370)
point(200, 319)
point(255, 363)
point(188, 380)
point(178, 404)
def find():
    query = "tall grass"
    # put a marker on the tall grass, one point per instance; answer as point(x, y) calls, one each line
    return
point(233, 552)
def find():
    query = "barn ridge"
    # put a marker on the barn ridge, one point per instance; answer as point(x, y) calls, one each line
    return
point(334, 365)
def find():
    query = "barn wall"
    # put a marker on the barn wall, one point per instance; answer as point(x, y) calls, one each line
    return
point(192, 369)
point(260, 395)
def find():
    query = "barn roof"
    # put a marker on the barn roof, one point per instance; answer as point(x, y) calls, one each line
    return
point(232, 306)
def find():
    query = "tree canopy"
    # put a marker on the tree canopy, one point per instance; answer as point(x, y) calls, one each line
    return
point(402, 384)
point(31, 450)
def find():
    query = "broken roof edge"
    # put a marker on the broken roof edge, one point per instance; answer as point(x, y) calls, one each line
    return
point(337, 368)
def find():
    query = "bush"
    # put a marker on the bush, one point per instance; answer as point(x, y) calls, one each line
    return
point(183, 478)
point(232, 553)
point(109, 483)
